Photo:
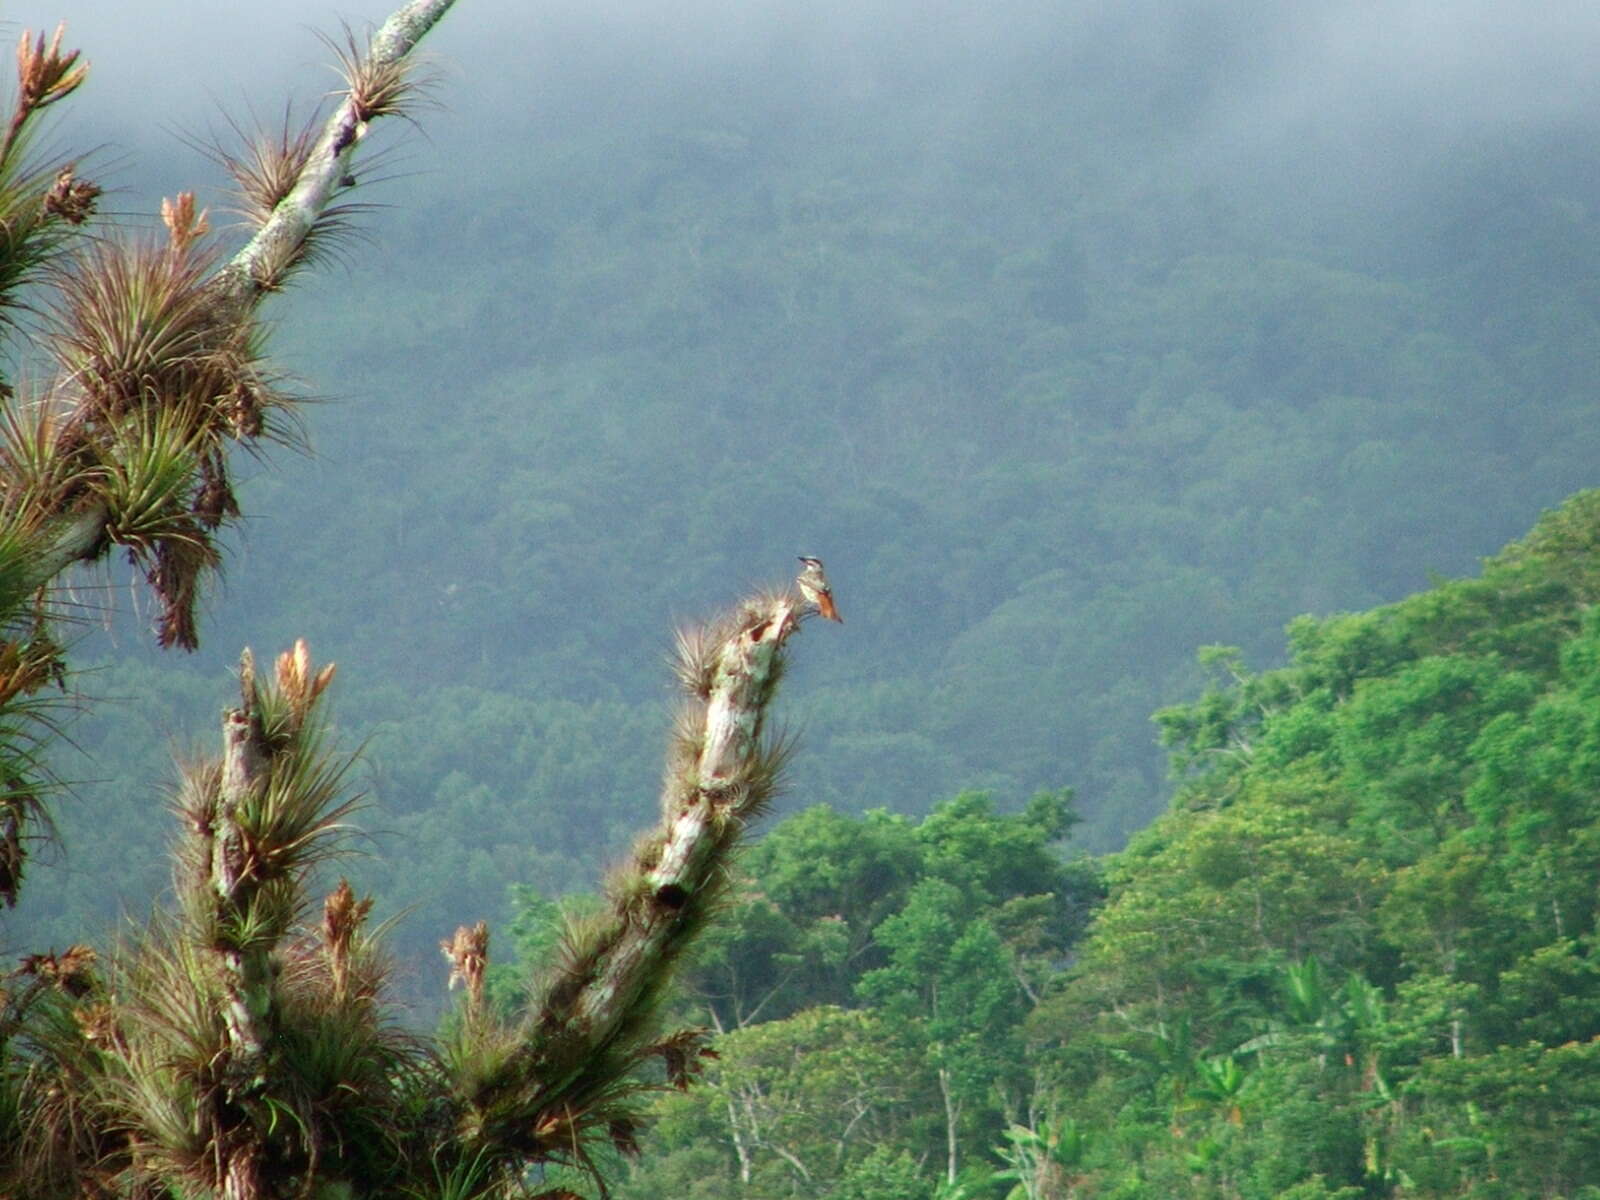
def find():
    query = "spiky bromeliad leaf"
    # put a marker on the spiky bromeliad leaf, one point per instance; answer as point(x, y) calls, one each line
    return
point(164, 1080)
point(297, 819)
point(160, 384)
point(134, 325)
point(40, 212)
point(34, 478)
point(49, 1030)
point(147, 477)
point(243, 1059)
point(376, 86)
point(266, 170)
point(26, 725)
point(572, 1090)
point(42, 203)
point(30, 661)
point(143, 325)
point(240, 1054)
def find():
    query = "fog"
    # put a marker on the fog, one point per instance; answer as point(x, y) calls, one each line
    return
point(1350, 93)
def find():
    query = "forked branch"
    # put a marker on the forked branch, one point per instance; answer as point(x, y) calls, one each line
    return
point(572, 1069)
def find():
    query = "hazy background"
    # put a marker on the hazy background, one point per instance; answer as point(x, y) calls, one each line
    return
point(1073, 336)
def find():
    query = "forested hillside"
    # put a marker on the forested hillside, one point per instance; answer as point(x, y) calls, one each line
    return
point(1072, 340)
point(1357, 957)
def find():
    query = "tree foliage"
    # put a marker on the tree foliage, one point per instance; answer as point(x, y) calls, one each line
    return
point(1417, 771)
point(1355, 958)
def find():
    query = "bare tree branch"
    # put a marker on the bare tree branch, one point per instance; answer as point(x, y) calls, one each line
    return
point(728, 780)
point(566, 1072)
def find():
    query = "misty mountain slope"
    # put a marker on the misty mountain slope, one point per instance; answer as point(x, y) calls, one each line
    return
point(1064, 373)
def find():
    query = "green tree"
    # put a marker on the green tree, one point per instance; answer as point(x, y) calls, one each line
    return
point(1044, 1164)
point(951, 985)
point(1369, 908)
point(816, 891)
point(940, 933)
point(801, 930)
point(805, 1105)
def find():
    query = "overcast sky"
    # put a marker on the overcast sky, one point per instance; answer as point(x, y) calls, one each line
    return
point(1261, 74)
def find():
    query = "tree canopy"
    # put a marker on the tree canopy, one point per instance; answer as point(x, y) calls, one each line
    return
point(1356, 957)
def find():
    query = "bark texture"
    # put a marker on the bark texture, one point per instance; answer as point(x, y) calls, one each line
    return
point(705, 809)
point(261, 265)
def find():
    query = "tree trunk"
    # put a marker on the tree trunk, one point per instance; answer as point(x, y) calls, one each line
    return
point(718, 788)
point(952, 1116)
point(740, 1150)
point(246, 973)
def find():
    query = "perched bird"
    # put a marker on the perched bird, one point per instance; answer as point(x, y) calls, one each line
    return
point(814, 587)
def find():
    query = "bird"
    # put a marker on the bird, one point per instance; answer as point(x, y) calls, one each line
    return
point(814, 587)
